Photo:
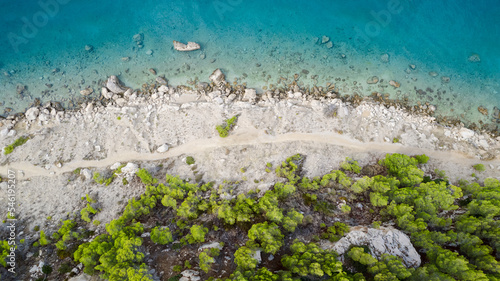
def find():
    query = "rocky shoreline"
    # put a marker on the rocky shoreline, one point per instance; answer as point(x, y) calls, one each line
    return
point(159, 126)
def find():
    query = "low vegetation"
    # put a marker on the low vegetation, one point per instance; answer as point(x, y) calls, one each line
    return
point(455, 228)
point(10, 148)
point(227, 126)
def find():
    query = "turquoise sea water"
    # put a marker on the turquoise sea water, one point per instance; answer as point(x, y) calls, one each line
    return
point(42, 46)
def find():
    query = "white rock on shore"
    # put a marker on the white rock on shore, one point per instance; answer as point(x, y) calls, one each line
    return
point(114, 85)
point(32, 113)
point(191, 46)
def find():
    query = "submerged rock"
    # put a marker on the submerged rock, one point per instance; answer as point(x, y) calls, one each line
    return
point(325, 39)
point(483, 110)
point(86, 92)
point(395, 84)
point(114, 85)
point(384, 58)
point(372, 80)
point(385, 240)
point(474, 58)
point(191, 46)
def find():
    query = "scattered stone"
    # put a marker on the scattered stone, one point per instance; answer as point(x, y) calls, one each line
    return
point(86, 173)
point(474, 58)
point(82, 277)
point(138, 38)
point(395, 84)
point(413, 67)
point(329, 45)
point(149, 52)
point(130, 168)
point(86, 91)
point(32, 113)
point(325, 39)
point(163, 89)
point(445, 79)
point(218, 77)
point(161, 80)
point(250, 95)
point(106, 94)
point(466, 133)
point(89, 48)
point(203, 56)
point(125, 59)
point(191, 46)
point(433, 73)
point(114, 85)
point(153, 71)
point(384, 58)
point(115, 166)
point(162, 148)
point(483, 110)
point(210, 246)
point(372, 80)
point(384, 240)
point(190, 275)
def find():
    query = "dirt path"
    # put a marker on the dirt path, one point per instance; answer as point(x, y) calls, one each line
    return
point(247, 136)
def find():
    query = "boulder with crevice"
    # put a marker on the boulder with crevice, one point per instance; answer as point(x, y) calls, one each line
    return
point(384, 240)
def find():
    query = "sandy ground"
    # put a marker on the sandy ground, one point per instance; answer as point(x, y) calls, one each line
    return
point(96, 137)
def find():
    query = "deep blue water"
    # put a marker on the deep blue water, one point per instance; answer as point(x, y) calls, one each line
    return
point(37, 37)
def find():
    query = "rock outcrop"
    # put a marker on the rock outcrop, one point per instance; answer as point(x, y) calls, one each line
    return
point(380, 241)
point(218, 77)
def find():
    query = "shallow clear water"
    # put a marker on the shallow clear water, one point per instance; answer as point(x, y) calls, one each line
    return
point(256, 42)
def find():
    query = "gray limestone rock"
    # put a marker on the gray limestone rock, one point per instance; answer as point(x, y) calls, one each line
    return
point(384, 240)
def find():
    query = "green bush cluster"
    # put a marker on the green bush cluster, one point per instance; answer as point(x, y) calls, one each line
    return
point(10, 148)
point(207, 258)
point(65, 234)
point(4, 252)
point(161, 235)
point(228, 125)
point(419, 206)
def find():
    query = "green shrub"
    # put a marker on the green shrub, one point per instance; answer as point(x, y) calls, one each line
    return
point(161, 235)
point(269, 236)
point(4, 252)
point(225, 128)
point(243, 257)
point(422, 159)
point(146, 177)
point(350, 165)
point(190, 160)
point(43, 239)
point(196, 235)
point(311, 260)
point(479, 167)
point(10, 148)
